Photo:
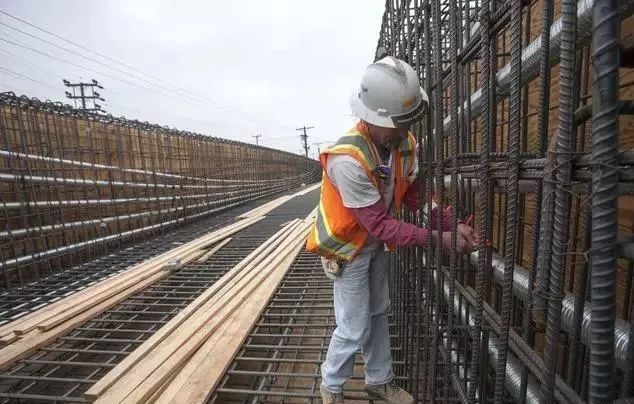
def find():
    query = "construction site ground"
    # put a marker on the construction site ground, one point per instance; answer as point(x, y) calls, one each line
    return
point(278, 362)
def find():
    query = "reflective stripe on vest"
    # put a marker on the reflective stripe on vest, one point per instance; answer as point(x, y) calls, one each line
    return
point(328, 240)
point(336, 233)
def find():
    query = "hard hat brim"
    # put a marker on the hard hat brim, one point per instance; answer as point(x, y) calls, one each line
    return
point(365, 114)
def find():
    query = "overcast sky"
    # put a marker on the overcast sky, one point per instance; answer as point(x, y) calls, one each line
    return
point(230, 69)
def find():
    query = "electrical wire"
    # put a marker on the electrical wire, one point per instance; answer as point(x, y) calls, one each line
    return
point(86, 48)
point(12, 88)
point(91, 59)
point(98, 72)
point(18, 75)
point(188, 93)
point(29, 64)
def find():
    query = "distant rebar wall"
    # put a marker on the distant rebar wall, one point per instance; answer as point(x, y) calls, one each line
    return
point(76, 185)
point(514, 139)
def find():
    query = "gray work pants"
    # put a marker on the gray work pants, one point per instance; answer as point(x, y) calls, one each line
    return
point(362, 302)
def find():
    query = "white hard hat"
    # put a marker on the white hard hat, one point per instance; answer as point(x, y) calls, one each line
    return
point(390, 95)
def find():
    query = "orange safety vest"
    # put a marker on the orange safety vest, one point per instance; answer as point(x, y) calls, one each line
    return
point(336, 233)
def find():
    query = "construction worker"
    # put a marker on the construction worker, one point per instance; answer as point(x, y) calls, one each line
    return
point(368, 174)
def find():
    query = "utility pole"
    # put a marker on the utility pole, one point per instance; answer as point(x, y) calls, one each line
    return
point(257, 137)
point(304, 138)
point(318, 148)
point(87, 94)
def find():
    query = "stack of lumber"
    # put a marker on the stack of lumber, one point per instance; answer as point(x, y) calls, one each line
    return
point(184, 361)
point(27, 334)
point(269, 206)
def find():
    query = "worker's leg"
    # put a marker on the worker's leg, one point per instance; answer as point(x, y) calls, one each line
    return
point(376, 351)
point(352, 313)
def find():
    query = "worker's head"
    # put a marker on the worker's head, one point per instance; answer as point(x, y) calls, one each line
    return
point(389, 99)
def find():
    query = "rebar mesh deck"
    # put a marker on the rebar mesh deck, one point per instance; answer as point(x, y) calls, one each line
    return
point(65, 369)
point(17, 302)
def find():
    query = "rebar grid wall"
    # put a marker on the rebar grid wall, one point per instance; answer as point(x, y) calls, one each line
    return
point(76, 185)
point(543, 310)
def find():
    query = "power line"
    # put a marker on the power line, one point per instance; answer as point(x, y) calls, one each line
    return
point(257, 137)
point(85, 48)
point(13, 87)
point(275, 139)
point(52, 73)
point(187, 92)
point(29, 64)
point(191, 102)
point(20, 76)
point(26, 78)
point(96, 71)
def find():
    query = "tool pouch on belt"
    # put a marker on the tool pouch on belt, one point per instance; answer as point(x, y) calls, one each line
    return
point(332, 268)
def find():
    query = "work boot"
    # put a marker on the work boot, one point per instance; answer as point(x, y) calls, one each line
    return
point(389, 392)
point(328, 397)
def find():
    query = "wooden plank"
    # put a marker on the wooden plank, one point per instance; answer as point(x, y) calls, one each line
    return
point(8, 339)
point(13, 326)
point(32, 320)
point(28, 322)
point(153, 370)
point(138, 354)
point(203, 371)
point(87, 297)
point(184, 348)
point(34, 340)
point(214, 250)
point(179, 380)
point(147, 363)
point(108, 290)
point(269, 206)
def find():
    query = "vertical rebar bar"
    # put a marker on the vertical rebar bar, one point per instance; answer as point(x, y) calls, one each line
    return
point(429, 349)
point(628, 382)
point(439, 179)
point(541, 142)
point(418, 308)
point(605, 142)
point(512, 195)
point(454, 33)
point(562, 194)
point(483, 204)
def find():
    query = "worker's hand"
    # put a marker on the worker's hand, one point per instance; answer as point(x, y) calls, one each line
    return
point(468, 234)
point(465, 242)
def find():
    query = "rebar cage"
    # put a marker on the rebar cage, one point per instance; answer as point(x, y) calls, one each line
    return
point(542, 311)
point(75, 185)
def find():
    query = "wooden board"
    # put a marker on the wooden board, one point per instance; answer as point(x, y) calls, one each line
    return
point(109, 289)
point(198, 378)
point(54, 314)
point(138, 354)
point(269, 206)
point(152, 370)
point(34, 339)
point(211, 325)
point(213, 250)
